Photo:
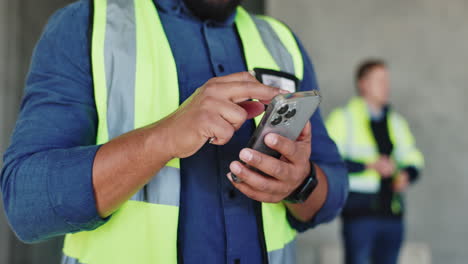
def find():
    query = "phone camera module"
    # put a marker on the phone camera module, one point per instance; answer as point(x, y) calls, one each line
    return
point(291, 113)
point(283, 109)
point(277, 121)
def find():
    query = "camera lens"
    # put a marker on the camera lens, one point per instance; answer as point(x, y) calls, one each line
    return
point(277, 121)
point(291, 113)
point(283, 109)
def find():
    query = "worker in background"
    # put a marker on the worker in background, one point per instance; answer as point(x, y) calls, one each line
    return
point(134, 116)
point(382, 160)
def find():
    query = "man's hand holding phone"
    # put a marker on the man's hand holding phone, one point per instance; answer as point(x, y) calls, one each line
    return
point(215, 111)
point(287, 173)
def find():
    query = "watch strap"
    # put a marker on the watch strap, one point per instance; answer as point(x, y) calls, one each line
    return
point(302, 193)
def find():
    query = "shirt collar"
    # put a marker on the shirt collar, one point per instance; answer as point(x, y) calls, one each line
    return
point(178, 8)
point(379, 116)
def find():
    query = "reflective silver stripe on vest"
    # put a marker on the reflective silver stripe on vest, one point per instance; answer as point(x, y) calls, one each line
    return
point(399, 152)
point(364, 184)
point(275, 46)
point(120, 65)
point(69, 260)
point(350, 132)
point(286, 255)
point(361, 152)
point(163, 189)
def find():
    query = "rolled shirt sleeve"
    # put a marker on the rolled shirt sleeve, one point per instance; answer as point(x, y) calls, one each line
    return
point(47, 175)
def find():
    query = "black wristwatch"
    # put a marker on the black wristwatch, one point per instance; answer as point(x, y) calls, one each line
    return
point(302, 193)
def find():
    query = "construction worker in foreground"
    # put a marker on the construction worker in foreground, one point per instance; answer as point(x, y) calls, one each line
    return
point(135, 114)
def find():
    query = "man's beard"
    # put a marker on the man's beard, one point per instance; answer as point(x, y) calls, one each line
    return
point(218, 10)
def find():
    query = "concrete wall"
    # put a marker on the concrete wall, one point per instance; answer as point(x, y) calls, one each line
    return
point(6, 110)
point(425, 42)
point(21, 22)
point(3, 226)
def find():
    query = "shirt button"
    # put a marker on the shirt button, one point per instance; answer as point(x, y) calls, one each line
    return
point(221, 68)
point(232, 194)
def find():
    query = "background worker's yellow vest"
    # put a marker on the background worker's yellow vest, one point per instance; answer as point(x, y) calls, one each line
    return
point(136, 84)
point(350, 128)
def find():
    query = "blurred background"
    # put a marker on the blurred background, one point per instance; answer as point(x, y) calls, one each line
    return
point(426, 45)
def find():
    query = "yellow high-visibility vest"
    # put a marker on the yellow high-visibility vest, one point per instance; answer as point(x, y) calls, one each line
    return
point(136, 84)
point(350, 128)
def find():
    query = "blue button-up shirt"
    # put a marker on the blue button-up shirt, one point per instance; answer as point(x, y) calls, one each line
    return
point(47, 177)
